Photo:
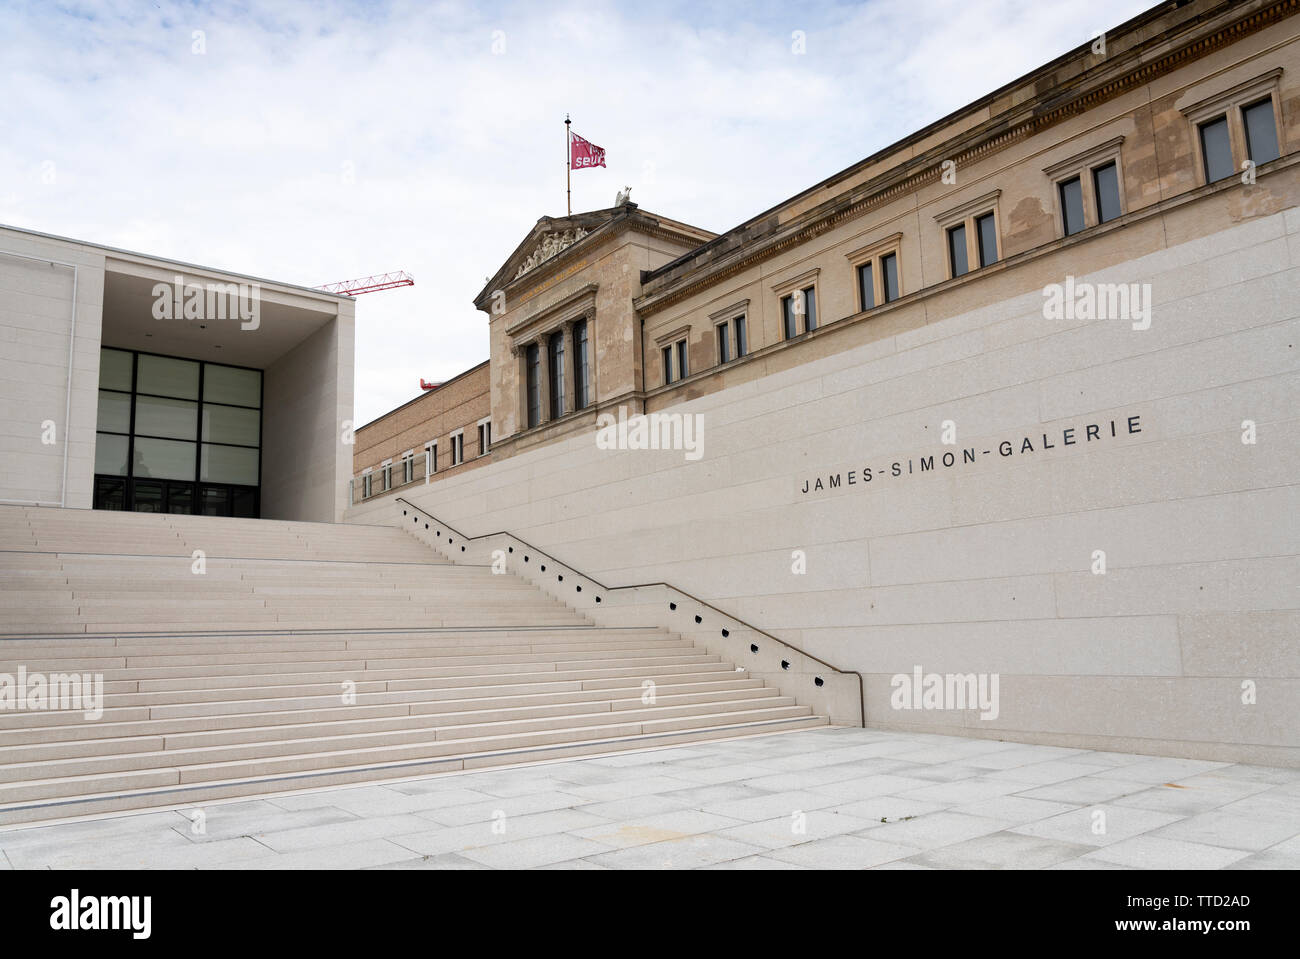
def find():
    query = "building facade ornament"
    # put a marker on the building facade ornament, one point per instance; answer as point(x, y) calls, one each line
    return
point(549, 246)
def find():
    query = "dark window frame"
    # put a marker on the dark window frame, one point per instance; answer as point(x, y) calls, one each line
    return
point(891, 270)
point(555, 359)
point(1246, 109)
point(990, 217)
point(1097, 191)
point(790, 318)
point(1216, 121)
point(581, 366)
point(1069, 193)
point(197, 482)
point(958, 249)
point(866, 285)
point(533, 385)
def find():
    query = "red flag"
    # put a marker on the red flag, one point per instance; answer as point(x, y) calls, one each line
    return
point(583, 154)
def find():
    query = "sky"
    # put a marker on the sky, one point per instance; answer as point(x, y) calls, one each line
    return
point(311, 142)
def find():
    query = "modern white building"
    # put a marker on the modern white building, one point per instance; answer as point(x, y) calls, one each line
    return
point(990, 434)
point(133, 382)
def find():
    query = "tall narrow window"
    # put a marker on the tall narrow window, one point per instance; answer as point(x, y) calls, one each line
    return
point(788, 317)
point(1261, 131)
point(986, 229)
point(889, 276)
point(866, 285)
point(430, 458)
point(484, 437)
point(957, 250)
point(799, 303)
point(457, 447)
point(1088, 187)
point(722, 331)
point(581, 366)
point(683, 370)
point(742, 339)
point(1071, 192)
point(668, 364)
point(1216, 149)
point(555, 356)
point(533, 361)
point(1239, 128)
point(1105, 182)
point(876, 267)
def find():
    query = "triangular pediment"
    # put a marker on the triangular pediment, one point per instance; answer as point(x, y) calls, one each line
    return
point(553, 239)
point(548, 239)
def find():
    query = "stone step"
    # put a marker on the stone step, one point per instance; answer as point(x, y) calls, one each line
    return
point(130, 792)
point(21, 763)
point(308, 655)
point(86, 775)
point(164, 644)
point(134, 721)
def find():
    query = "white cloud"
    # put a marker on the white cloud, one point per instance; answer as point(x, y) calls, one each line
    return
point(236, 158)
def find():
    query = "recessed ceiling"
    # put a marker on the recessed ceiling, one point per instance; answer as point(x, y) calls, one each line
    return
point(130, 323)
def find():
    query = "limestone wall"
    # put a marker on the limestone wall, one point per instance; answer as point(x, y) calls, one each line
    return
point(987, 567)
point(35, 333)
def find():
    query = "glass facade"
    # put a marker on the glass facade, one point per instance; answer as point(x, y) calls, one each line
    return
point(177, 436)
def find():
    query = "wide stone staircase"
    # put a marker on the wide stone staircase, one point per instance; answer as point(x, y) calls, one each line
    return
point(242, 657)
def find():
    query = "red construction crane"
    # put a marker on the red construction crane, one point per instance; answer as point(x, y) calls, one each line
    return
point(370, 284)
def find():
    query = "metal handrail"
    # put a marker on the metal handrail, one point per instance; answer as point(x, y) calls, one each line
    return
point(862, 691)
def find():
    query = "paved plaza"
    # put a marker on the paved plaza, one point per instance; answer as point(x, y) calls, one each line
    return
point(834, 797)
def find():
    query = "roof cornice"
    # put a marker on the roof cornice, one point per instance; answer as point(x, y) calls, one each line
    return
point(682, 278)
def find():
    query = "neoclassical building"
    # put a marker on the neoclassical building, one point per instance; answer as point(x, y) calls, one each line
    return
point(1014, 395)
point(622, 307)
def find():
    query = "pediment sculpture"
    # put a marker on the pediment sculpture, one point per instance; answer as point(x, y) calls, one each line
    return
point(550, 245)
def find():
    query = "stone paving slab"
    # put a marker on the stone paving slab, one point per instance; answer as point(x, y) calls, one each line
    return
point(825, 798)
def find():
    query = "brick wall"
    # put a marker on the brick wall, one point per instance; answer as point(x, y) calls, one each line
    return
point(458, 404)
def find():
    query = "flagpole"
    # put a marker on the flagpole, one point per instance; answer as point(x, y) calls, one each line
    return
point(568, 166)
